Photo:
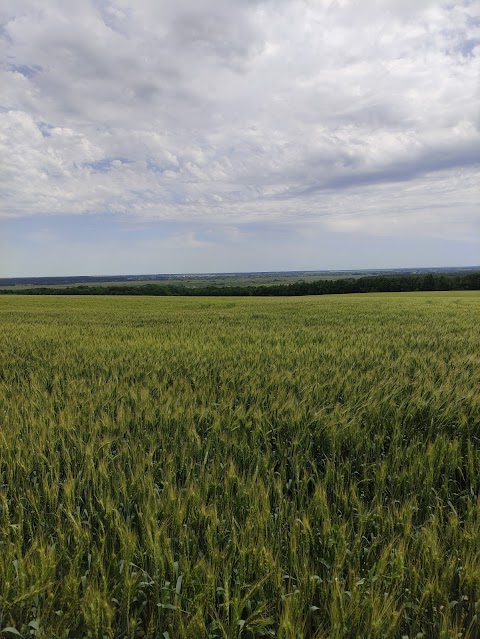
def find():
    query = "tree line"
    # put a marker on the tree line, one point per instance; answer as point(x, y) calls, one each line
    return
point(368, 284)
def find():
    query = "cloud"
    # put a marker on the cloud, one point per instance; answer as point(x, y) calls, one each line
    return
point(334, 112)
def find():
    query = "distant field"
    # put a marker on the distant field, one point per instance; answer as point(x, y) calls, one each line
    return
point(459, 278)
point(240, 467)
point(201, 281)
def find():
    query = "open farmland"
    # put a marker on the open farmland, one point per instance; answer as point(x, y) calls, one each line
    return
point(224, 468)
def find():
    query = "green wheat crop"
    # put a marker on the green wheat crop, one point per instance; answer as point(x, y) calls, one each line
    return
point(240, 468)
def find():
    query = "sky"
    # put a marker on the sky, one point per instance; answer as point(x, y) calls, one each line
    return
point(172, 136)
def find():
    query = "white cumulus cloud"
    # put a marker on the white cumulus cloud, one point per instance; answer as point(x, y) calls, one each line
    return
point(340, 112)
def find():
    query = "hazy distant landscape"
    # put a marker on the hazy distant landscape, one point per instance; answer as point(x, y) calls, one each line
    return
point(194, 280)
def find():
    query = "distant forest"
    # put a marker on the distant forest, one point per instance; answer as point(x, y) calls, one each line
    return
point(369, 284)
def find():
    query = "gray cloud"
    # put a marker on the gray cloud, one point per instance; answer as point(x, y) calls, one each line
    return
point(243, 111)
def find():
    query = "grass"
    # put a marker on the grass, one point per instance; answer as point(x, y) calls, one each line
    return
point(240, 468)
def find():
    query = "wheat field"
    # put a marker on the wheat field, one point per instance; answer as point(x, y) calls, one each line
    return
point(238, 468)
